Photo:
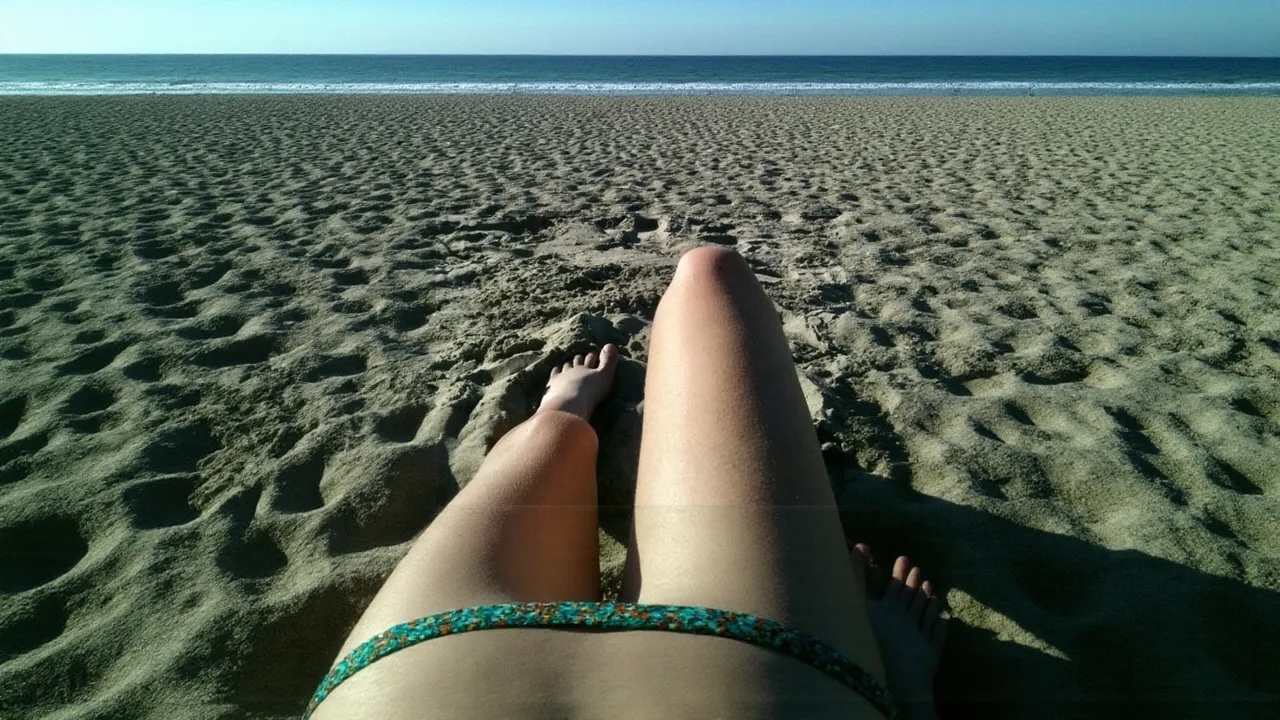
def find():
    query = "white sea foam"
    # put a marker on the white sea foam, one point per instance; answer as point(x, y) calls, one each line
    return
point(601, 88)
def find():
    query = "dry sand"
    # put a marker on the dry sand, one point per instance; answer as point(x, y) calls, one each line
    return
point(250, 346)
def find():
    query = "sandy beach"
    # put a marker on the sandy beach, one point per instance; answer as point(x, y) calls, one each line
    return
point(249, 346)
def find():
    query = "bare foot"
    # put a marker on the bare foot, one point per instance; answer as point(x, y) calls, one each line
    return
point(580, 384)
point(910, 630)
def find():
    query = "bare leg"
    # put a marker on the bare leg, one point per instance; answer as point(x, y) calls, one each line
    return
point(734, 508)
point(523, 530)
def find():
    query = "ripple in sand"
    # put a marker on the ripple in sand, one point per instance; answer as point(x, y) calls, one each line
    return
point(31, 627)
point(37, 552)
point(162, 502)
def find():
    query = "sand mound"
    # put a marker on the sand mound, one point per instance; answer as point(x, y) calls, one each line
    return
point(250, 347)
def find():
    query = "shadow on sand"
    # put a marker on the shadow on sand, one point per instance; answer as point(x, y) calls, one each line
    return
point(1135, 635)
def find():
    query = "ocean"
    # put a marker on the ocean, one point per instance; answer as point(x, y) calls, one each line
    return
point(634, 75)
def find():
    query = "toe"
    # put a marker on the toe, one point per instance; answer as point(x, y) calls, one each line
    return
point(901, 567)
point(894, 590)
point(918, 603)
point(555, 371)
point(930, 620)
point(608, 356)
point(939, 634)
point(578, 360)
point(862, 554)
point(897, 588)
point(913, 578)
point(592, 361)
point(897, 581)
point(861, 557)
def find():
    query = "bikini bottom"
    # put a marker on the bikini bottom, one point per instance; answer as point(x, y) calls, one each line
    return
point(612, 617)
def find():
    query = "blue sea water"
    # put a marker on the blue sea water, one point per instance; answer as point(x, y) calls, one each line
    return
point(634, 75)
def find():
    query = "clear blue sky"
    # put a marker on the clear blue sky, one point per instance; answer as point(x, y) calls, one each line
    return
point(646, 27)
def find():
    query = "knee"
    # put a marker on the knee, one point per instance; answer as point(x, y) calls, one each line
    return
point(562, 431)
point(713, 263)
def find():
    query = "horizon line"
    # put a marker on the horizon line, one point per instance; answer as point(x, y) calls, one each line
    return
point(633, 55)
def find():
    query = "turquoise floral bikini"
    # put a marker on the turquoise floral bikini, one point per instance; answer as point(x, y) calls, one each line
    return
point(612, 616)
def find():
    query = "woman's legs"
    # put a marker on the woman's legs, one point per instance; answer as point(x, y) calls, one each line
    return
point(734, 508)
point(525, 527)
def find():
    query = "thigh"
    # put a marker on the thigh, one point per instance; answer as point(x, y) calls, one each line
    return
point(668, 675)
point(508, 673)
point(733, 505)
point(523, 530)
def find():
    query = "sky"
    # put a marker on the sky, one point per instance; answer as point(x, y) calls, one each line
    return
point(646, 27)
